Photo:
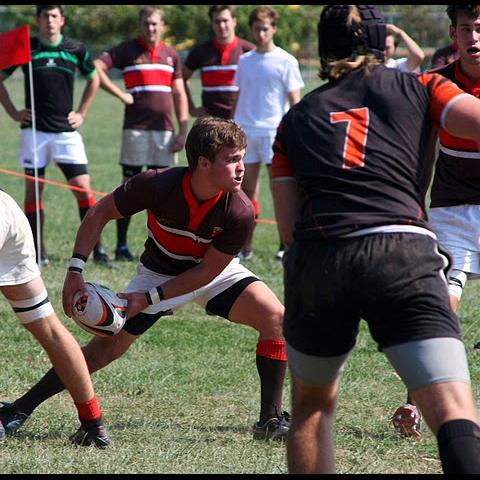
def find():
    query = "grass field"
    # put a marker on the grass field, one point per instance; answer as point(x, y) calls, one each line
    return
point(183, 399)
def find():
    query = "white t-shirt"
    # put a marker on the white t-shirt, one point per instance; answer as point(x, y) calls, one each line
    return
point(265, 80)
point(400, 64)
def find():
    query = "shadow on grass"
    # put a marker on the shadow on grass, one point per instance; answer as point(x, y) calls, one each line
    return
point(184, 430)
point(350, 430)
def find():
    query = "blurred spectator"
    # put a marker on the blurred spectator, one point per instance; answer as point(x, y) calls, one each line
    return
point(269, 82)
point(415, 57)
point(155, 91)
point(444, 56)
point(217, 60)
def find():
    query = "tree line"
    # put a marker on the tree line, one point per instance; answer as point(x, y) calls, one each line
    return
point(102, 26)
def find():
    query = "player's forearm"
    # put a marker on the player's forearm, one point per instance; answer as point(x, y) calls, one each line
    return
point(181, 112)
point(6, 102)
point(415, 53)
point(93, 224)
point(106, 82)
point(287, 203)
point(191, 104)
point(88, 96)
point(190, 280)
point(294, 97)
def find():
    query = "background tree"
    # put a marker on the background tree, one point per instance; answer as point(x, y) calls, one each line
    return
point(101, 26)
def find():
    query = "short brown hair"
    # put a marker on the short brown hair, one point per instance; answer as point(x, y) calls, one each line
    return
point(209, 135)
point(42, 8)
point(472, 11)
point(149, 10)
point(264, 14)
point(216, 9)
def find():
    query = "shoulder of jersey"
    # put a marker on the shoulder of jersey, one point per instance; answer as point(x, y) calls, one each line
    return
point(72, 44)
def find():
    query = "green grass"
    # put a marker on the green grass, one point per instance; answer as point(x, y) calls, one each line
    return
point(183, 398)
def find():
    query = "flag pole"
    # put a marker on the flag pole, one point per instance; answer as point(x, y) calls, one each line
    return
point(35, 166)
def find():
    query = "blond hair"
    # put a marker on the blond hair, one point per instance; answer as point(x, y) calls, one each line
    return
point(335, 69)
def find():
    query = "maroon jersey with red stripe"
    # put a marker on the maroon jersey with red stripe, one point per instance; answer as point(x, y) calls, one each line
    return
point(357, 148)
point(457, 172)
point(148, 74)
point(217, 64)
point(180, 229)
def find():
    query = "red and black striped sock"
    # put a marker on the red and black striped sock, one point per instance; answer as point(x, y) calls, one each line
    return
point(271, 365)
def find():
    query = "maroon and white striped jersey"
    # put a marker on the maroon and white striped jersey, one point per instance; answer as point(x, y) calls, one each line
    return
point(148, 74)
point(180, 229)
point(218, 64)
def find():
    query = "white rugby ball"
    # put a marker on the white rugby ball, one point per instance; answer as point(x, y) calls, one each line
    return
point(101, 312)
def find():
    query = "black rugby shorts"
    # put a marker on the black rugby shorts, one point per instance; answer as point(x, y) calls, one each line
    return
point(394, 281)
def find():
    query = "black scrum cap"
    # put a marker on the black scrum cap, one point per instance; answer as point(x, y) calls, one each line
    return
point(337, 40)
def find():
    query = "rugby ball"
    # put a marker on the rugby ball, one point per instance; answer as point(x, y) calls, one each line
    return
point(100, 312)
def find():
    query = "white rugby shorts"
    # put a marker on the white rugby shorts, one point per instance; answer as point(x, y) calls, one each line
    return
point(17, 251)
point(147, 147)
point(147, 279)
point(260, 147)
point(458, 230)
point(63, 147)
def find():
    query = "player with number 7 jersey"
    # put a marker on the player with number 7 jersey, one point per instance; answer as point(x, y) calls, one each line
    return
point(350, 173)
point(368, 147)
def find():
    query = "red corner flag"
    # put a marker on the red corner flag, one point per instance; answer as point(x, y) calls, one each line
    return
point(15, 47)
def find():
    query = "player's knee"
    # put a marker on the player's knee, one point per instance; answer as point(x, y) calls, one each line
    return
point(272, 325)
point(32, 309)
point(101, 352)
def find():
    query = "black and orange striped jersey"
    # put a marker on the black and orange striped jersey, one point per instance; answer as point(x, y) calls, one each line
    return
point(457, 171)
point(357, 148)
point(180, 229)
point(54, 68)
point(148, 74)
point(218, 64)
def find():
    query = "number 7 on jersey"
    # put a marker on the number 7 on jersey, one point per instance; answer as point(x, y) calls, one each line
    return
point(357, 120)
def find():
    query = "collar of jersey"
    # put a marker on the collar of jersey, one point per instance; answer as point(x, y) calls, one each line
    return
point(226, 49)
point(153, 51)
point(197, 211)
point(469, 86)
point(51, 45)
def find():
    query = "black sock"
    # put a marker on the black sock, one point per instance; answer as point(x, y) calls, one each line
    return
point(459, 447)
point(47, 387)
point(32, 220)
point(83, 211)
point(98, 248)
point(122, 228)
point(272, 375)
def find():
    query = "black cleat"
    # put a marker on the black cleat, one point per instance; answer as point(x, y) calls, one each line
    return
point(123, 254)
point(245, 255)
point(275, 428)
point(100, 257)
point(11, 418)
point(44, 261)
point(86, 436)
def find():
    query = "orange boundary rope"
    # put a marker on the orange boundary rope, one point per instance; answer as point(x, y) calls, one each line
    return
point(79, 189)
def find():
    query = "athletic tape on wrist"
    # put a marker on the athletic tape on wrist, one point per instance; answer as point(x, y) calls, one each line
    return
point(155, 295)
point(77, 263)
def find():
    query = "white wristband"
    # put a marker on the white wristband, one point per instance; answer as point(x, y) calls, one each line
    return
point(154, 296)
point(76, 265)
